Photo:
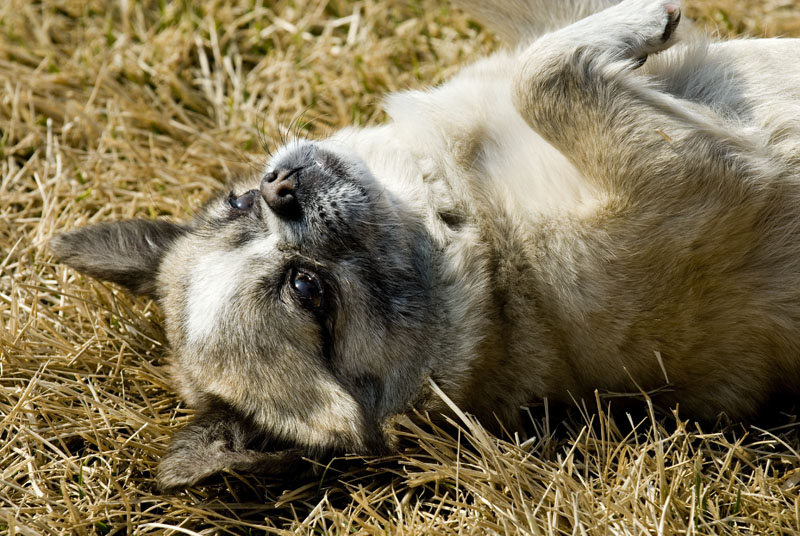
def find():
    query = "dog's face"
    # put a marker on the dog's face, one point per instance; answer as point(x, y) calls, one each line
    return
point(299, 308)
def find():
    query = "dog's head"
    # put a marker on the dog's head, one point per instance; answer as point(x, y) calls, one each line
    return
point(298, 306)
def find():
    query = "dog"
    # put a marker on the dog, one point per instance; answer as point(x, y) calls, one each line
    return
point(612, 203)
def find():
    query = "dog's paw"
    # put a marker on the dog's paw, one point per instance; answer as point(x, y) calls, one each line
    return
point(184, 467)
point(661, 19)
point(642, 27)
point(673, 19)
point(631, 30)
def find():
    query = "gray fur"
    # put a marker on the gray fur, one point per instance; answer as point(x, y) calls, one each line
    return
point(127, 253)
point(554, 220)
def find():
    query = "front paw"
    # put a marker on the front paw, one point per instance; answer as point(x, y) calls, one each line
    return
point(630, 30)
point(184, 467)
point(643, 27)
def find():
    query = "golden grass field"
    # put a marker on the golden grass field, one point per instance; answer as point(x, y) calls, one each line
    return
point(112, 110)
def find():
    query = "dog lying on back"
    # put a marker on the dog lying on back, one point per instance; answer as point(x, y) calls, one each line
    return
point(589, 210)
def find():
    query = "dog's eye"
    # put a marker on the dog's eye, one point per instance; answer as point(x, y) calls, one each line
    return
point(308, 288)
point(244, 202)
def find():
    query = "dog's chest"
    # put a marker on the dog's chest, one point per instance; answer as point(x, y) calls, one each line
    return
point(469, 130)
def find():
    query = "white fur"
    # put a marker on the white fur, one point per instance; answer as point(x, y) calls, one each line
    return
point(477, 102)
point(213, 282)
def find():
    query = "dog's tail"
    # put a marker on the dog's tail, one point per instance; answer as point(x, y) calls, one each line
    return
point(519, 22)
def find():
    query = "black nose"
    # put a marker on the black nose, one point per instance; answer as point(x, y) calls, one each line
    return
point(279, 189)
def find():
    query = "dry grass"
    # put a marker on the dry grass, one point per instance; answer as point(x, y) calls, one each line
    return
point(121, 109)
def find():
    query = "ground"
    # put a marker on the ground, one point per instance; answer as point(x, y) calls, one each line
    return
point(111, 110)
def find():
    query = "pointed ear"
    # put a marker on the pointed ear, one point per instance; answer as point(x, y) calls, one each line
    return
point(217, 440)
point(127, 253)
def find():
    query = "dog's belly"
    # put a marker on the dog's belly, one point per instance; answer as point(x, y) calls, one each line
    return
point(536, 177)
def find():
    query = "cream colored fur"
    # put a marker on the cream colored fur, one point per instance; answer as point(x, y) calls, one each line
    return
point(558, 218)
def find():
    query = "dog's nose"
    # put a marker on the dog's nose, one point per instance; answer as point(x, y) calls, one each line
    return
point(279, 189)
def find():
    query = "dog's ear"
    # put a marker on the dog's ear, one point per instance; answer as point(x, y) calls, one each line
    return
point(127, 253)
point(218, 440)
